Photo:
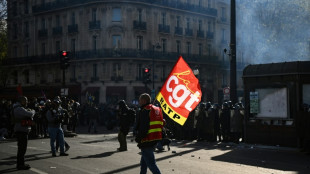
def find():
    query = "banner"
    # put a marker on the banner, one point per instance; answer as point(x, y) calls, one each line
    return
point(181, 92)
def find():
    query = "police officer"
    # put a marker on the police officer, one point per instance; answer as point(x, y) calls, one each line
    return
point(23, 121)
point(126, 118)
point(149, 132)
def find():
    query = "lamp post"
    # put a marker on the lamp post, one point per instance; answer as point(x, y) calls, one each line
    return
point(233, 63)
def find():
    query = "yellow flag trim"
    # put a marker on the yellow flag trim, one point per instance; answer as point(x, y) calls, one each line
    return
point(169, 110)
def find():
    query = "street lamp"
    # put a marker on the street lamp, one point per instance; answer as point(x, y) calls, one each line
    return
point(157, 46)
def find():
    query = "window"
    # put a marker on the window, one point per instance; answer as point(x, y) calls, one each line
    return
point(73, 18)
point(117, 15)
point(164, 45)
point(187, 23)
point(43, 23)
point(178, 47)
point(200, 25)
point(116, 42)
point(224, 82)
point(94, 70)
point(116, 70)
point(140, 43)
point(94, 43)
point(140, 15)
point(199, 3)
point(57, 46)
point(94, 14)
point(223, 12)
point(57, 21)
point(42, 2)
point(26, 29)
point(139, 72)
point(223, 35)
point(15, 31)
point(200, 49)
point(26, 7)
point(26, 76)
point(209, 49)
point(306, 94)
point(163, 18)
point(73, 45)
point(189, 48)
point(14, 10)
point(163, 72)
point(43, 49)
point(26, 50)
point(178, 21)
point(209, 3)
point(209, 26)
point(15, 51)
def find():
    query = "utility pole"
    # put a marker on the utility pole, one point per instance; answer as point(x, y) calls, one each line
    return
point(233, 63)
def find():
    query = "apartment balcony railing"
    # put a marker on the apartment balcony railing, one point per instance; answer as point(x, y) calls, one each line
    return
point(57, 31)
point(73, 28)
point(178, 31)
point(42, 33)
point(110, 53)
point(139, 25)
point(163, 28)
point(54, 5)
point(188, 32)
point(200, 34)
point(94, 25)
point(210, 35)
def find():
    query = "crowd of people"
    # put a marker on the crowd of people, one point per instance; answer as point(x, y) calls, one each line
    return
point(210, 122)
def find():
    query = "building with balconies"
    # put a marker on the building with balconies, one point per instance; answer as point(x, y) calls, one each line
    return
point(110, 42)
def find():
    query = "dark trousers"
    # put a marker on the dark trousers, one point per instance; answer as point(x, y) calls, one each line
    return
point(122, 140)
point(22, 141)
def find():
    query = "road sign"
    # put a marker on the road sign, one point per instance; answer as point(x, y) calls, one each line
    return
point(226, 91)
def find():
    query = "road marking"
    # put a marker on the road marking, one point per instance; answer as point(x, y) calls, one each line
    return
point(37, 171)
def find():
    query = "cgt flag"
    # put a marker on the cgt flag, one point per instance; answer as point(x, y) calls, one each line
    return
point(181, 92)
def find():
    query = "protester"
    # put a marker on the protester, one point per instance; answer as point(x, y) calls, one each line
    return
point(126, 117)
point(149, 132)
point(23, 121)
point(54, 117)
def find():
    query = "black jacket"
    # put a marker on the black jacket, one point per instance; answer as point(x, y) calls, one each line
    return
point(143, 125)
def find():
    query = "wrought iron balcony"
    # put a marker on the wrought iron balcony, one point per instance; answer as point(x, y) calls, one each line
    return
point(54, 5)
point(200, 34)
point(94, 25)
point(110, 53)
point(188, 32)
point(210, 35)
point(57, 31)
point(139, 25)
point(43, 33)
point(178, 31)
point(163, 28)
point(73, 28)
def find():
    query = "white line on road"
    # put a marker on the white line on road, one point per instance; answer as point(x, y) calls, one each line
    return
point(37, 171)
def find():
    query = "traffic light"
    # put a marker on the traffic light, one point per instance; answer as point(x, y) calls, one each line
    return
point(146, 75)
point(64, 59)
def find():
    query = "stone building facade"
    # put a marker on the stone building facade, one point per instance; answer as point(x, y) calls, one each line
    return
point(110, 42)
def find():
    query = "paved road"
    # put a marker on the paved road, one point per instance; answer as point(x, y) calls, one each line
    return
point(96, 153)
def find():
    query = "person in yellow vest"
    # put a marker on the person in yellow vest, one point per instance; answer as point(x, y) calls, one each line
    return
point(149, 132)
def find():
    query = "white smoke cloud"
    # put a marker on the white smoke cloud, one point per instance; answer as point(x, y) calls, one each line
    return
point(273, 30)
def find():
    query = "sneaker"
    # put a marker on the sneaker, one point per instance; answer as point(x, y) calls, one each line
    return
point(67, 148)
point(63, 154)
point(54, 154)
point(23, 167)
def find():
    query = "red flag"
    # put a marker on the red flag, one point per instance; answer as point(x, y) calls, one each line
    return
point(181, 92)
point(19, 90)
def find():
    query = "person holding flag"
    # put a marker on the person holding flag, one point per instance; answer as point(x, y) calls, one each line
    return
point(149, 133)
point(181, 92)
